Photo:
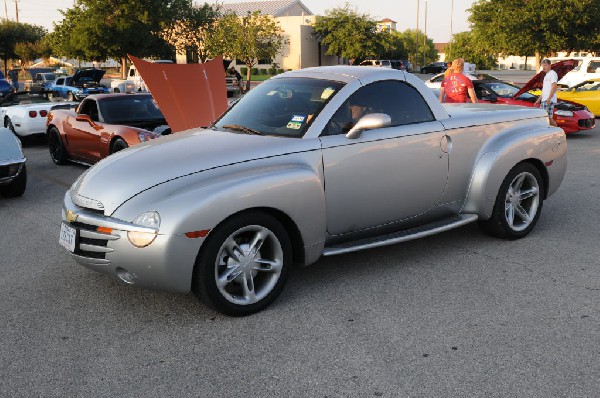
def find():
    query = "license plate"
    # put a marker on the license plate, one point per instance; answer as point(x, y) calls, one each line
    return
point(67, 237)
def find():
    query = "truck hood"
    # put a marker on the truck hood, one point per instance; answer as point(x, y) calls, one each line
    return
point(120, 176)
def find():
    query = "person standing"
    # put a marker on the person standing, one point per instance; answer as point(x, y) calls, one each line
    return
point(448, 69)
point(456, 87)
point(547, 100)
point(13, 75)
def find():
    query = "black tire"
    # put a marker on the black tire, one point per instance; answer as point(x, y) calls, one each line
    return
point(118, 145)
point(516, 212)
point(17, 186)
point(70, 96)
point(8, 124)
point(58, 152)
point(248, 285)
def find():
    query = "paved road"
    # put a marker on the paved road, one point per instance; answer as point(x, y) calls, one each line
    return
point(455, 315)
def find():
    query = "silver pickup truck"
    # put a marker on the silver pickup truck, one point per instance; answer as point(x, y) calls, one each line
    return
point(320, 161)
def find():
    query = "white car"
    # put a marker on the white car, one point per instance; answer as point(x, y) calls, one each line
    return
point(436, 81)
point(588, 68)
point(27, 117)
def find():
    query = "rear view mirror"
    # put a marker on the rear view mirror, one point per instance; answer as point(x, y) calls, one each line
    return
point(369, 122)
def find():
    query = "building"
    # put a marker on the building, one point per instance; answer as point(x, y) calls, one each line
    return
point(301, 49)
point(386, 25)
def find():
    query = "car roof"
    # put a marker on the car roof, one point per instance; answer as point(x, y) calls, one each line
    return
point(344, 73)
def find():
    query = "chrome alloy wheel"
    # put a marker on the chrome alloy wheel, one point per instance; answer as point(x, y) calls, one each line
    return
point(248, 265)
point(522, 201)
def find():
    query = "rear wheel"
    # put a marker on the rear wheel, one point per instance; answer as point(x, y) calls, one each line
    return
point(118, 145)
point(518, 204)
point(58, 152)
point(17, 186)
point(243, 265)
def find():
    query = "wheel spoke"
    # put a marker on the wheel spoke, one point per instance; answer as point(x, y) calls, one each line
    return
point(228, 276)
point(233, 249)
point(248, 287)
point(518, 183)
point(510, 214)
point(257, 242)
point(522, 213)
point(267, 265)
point(528, 193)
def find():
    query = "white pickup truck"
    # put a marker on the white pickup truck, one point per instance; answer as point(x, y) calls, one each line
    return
point(134, 82)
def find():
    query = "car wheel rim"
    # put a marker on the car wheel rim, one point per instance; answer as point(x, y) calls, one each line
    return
point(522, 201)
point(248, 265)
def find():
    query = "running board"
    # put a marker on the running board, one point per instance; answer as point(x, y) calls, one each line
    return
point(402, 236)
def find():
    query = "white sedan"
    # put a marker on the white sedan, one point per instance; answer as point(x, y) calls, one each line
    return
point(27, 117)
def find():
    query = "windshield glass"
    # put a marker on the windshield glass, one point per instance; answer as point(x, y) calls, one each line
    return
point(506, 90)
point(129, 108)
point(281, 106)
point(49, 76)
point(588, 86)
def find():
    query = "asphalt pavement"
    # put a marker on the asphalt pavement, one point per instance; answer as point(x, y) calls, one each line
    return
point(458, 314)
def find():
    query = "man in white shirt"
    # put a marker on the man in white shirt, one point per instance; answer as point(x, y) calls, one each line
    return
point(548, 98)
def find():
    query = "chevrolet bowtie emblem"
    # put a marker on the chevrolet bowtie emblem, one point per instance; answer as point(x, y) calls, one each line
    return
point(71, 217)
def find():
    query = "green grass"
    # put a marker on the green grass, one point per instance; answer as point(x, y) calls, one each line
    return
point(259, 78)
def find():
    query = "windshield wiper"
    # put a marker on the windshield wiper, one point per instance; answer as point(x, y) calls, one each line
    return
point(243, 129)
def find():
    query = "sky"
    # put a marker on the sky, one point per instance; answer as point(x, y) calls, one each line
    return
point(440, 13)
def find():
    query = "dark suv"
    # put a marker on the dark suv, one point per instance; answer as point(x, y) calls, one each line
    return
point(434, 67)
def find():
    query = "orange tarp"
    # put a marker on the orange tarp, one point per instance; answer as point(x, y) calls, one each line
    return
point(188, 95)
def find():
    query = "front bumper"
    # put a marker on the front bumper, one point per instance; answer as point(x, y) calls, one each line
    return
point(10, 169)
point(166, 264)
point(581, 120)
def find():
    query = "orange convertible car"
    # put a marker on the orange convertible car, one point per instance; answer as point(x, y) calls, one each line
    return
point(101, 125)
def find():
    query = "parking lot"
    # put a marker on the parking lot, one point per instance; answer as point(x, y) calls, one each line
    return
point(455, 315)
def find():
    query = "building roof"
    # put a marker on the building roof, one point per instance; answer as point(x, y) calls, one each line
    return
point(276, 8)
point(440, 47)
point(387, 20)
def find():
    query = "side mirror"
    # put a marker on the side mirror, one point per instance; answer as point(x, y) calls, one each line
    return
point(84, 118)
point(369, 122)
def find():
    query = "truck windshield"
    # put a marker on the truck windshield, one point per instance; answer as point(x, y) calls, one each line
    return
point(281, 106)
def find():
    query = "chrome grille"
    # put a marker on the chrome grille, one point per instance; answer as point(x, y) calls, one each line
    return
point(91, 243)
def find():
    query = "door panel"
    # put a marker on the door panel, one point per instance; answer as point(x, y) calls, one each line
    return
point(384, 176)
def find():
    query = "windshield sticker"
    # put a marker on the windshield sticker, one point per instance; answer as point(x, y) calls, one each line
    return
point(272, 92)
point(327, 93)
point(298, 118)
point(294, 125)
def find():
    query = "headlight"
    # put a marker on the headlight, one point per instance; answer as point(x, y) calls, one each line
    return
point(146, 136)
point(564, 113)
point(149, 219)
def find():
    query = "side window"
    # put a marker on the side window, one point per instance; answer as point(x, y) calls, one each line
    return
point(90, 108)
point(131, 72)
point(402, 102)
point(60, 81)
point(593, 68)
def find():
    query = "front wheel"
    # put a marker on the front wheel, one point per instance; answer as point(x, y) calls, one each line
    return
point(243, 265)
point(118, 145)
point(58, 152)
point(518, 204)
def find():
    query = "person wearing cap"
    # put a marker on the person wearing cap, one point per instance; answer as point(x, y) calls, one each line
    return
point(456, 87)
point(547, 100)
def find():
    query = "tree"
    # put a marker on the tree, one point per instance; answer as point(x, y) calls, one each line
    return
point(467, 45)
point(12, 33)
point(98, 29)
point(536, 26)
point(249, 38)
point(191, 31)
point(390, 45)
point(419, 46)
point(348, 34)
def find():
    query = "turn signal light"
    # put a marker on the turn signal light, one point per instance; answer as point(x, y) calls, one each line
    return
point(197, 234)
point(104, 230)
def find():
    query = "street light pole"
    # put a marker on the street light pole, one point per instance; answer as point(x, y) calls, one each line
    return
point(416, 59)
point(451, 17)
point(425, 36)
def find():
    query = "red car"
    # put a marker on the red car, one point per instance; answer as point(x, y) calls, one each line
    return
point(101, 125)
point(570, 116)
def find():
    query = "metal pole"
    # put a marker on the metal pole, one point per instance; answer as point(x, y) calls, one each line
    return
point(425, 36)
point(5, 11)
point(416, 59)
point(451, 17)
point(17, 9)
